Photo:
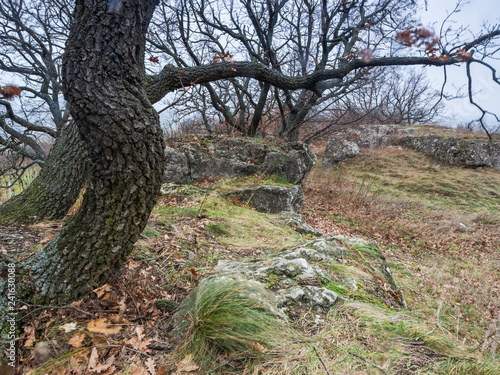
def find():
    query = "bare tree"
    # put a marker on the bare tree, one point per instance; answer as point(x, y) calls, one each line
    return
point(31, 45)
point(32, 39)
point(395, 96)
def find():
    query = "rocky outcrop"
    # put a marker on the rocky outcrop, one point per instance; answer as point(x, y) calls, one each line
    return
point(372, 136)
point(448, 149)
point(271, 199)
point(455, 151)
point(314, 275)
point(188, 160)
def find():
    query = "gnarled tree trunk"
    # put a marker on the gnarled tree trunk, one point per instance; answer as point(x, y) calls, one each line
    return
point(104, 80)
point(56, 188)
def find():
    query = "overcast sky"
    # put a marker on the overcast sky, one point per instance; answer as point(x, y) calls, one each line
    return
point(474, 13)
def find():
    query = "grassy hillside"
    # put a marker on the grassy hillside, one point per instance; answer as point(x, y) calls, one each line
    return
point(437, 226)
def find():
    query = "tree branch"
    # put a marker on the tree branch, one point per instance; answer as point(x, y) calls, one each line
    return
point(172, 77)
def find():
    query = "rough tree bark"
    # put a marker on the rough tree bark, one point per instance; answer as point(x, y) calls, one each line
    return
point(103, 74)
point(56, 188)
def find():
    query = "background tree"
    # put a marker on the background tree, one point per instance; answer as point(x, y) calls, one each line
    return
point(293, 37)
point(32, 38)
point(385, 96)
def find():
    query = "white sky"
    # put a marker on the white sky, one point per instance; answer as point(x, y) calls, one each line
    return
point(474, 14)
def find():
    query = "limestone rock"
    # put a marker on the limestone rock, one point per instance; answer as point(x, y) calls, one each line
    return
point(189, 160)
point(339, 150)
point(311, 296)
point(261, 271)
point(271, 198)
point(176, 166)
point(293, 161)
point(456, 151)
point(291, 277)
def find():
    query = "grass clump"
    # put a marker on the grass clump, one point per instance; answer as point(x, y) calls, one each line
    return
point(227, 317)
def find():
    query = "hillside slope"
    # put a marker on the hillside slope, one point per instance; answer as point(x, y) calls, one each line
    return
point(437, 226)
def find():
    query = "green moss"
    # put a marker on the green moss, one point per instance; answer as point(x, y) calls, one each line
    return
point(336, 287)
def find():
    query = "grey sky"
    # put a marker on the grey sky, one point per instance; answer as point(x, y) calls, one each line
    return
point(474, 13)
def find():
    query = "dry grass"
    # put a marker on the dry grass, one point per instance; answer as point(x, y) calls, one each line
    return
point(442, 252)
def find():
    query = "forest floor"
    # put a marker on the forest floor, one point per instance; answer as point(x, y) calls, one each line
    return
point(438, 227)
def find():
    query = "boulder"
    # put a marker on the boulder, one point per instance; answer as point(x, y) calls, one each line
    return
point(190, 159)
point(271, 199)
point(293, 161)
point(176, 166)
point(308, 295)
point(339, 150)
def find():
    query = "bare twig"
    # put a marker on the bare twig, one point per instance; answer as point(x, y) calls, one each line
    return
point(131, 349)
point(370, 363)
point(46, 307)
point(438, 323)
point(321, 360)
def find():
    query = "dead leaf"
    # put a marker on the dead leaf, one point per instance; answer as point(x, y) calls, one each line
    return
point(106, 368)
point(30, 333)
point(193, 272)
point(258, 347)
point(138, 370)
point(137, 344)
point(122, 304)
point(94, 356)
point(150, 364)
point(68, 327)
point(101, 369)
point(176, 257)
point(103, 291)
point(118, 319)
point(76, 340)
point(132, 265)
point(187, 364)
point(104, 326)
point(139, 330)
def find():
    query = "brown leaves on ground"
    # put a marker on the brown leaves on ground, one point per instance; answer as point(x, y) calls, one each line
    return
point(125, 323)
point(29, 333)
point(139, 342)
point(47, 239)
